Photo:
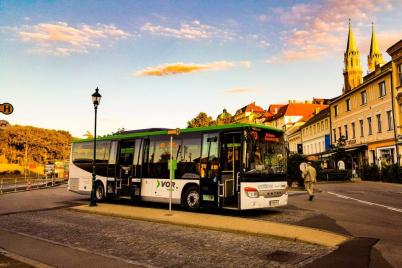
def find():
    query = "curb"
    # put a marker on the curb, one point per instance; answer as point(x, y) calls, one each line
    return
point(219, 223)
point(23, 259)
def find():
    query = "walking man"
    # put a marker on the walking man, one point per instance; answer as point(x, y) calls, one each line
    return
point(309, 175)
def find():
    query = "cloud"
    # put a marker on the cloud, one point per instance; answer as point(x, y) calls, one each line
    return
point(62, 40)
point(193, 30)
point(263, 18)
point(319, 30)
point(239, 90)
point(181, 68)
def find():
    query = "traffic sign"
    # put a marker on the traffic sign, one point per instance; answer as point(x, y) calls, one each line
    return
point(174, 131)
point(6, 108)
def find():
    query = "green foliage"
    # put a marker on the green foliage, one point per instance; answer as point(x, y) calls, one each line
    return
point(89, 135)
point(201, 120)
point(21, 144)
point(224, 118)
point(370, 172)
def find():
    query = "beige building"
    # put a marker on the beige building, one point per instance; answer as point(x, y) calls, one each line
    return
point(294, 138)
point(315, 134)
point(363, 115)
point(395, 52)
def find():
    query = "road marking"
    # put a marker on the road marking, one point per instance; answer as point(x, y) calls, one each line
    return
point(366, 202)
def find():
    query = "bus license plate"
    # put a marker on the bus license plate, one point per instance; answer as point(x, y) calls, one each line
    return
point(274, 203)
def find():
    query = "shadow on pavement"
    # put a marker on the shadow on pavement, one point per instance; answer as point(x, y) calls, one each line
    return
point(324, 223)
point(356, 253)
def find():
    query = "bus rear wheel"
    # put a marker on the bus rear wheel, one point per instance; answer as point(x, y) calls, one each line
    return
point(191, 198)
point(99, 192)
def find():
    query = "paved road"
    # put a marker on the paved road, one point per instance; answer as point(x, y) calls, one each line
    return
point(47, 232)
point(366, 209)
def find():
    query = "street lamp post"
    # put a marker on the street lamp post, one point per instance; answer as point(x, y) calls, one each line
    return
point(96, 97)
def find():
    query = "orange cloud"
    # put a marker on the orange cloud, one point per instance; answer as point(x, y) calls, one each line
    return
point(181, 68)
point(61, 39)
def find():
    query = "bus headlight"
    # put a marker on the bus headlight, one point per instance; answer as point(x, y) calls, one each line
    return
point(251, 192)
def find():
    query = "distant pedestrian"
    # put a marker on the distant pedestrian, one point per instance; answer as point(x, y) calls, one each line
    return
point(309, 175)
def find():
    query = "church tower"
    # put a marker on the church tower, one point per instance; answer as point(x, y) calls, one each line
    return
point(353, 71)
point(375, 56)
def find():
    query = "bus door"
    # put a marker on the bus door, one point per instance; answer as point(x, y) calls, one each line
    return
point(137, 169)
point(230, 169)
point(209, 168)
point(125, 168)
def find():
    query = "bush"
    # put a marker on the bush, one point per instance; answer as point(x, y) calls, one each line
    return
point(294, 173)
point(370, 172)
point(11, 169)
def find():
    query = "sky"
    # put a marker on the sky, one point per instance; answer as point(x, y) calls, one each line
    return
point(160, 63)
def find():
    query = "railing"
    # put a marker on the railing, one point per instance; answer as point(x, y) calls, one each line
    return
point(18, 184)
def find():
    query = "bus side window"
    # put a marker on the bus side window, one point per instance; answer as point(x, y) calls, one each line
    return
point(159, 155)
point(188, 157)
point(113, 153)
point(137, 161)
point(209, 157)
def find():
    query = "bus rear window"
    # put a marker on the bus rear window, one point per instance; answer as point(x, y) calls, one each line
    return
point(83, 152)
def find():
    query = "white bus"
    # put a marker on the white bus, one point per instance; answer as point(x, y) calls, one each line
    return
point(236, 166)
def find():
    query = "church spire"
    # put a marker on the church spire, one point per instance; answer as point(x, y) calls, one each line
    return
point(375, 56)
point(352, 72)
point(351, 45)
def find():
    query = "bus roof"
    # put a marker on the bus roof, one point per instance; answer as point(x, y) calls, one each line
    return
point(184, 130)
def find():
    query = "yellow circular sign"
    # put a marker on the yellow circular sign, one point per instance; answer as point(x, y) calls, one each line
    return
point(6, 108)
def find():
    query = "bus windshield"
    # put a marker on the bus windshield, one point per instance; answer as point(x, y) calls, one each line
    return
point(264, 154)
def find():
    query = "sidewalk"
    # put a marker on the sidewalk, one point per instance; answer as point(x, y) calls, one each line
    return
point(45, 254)
point(220, 223)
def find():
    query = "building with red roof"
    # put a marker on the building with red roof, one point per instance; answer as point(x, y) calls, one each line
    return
point(248, 114)
point(291, 113)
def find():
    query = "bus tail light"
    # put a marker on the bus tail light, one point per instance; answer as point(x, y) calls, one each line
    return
point(251, 192)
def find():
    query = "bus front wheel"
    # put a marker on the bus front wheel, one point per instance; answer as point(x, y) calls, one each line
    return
point(191, 198)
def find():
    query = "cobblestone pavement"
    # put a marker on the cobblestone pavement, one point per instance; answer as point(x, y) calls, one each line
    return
point(159, 244)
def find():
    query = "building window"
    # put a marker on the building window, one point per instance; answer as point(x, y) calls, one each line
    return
point(400, 74)
point(353, 130)
point(346, 132)
point(326, 124)
point(322, 125)
point(370, 129)
point(379, 127)
point(348, 105)
point(336, 110)
point(390, 118)
point(364, 97)
point(334, 141)
point(361, 128)
point(382, 89)
point(340, 132)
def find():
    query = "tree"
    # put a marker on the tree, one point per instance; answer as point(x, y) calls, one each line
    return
point(88, 135)
point(23, 144)
point(339, 149)
point(201, 120)
point(224, 118)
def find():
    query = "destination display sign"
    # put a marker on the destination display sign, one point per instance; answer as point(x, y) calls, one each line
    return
point(6, 108)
